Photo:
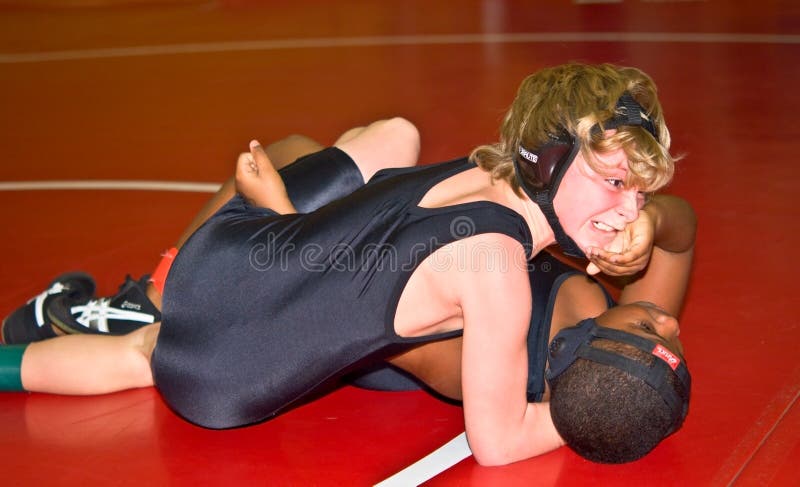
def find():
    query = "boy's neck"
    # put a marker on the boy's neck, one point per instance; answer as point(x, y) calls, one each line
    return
point(543, 235)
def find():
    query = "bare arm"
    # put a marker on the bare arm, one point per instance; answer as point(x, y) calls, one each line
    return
point(502, 427)
point(666, 277)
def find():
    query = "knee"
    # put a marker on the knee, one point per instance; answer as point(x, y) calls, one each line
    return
point(348, 135)
point(397, 134)
point(393, 142)
point(404, 128)
point(141, 345)
point(406, 140)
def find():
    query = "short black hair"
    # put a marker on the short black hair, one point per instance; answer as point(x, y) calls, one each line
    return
point(607, 415)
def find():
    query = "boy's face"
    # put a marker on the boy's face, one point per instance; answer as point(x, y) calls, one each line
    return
point(646, 320)
point(593, 207)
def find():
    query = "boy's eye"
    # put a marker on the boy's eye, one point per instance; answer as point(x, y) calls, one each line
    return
point(646, 326)
point(617, 183)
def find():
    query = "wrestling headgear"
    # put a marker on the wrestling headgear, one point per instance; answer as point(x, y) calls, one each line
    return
point(573, 343)
point(539, 171)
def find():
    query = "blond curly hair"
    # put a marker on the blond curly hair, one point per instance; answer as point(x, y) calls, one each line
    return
point(576, 98)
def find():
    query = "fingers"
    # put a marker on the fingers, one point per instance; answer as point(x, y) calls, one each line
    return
point(628, 253)
point(592, 269)
point(617, 264)
point(614, 269)
point(625, 257)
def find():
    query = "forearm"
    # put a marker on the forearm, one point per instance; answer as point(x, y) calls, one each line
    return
point(675, 223)
point(663, 283)
point(665, 280)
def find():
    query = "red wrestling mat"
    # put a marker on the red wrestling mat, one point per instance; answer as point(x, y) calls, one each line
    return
point(172, 92)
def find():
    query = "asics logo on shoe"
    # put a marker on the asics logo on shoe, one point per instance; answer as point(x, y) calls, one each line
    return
point(97, 312)
point(38, 308)
point(129, 305)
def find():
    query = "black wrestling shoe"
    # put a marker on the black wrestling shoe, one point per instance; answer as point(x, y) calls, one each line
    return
point(122, 313)
point(30, 323)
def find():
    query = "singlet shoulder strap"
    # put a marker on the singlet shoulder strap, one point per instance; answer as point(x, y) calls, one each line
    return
point(547, 275)
point(445, 170)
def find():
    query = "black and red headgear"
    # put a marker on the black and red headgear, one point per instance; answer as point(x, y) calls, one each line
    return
point(573, 343)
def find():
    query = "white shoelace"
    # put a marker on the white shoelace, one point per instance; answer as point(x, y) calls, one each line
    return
point(96, 313)
point(38, 302)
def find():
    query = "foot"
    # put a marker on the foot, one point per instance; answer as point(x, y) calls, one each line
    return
point(259, 182)
point(126, 311)
point(30, 323)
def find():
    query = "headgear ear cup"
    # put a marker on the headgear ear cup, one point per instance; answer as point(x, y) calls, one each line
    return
point(537, 167)
point(539, 174)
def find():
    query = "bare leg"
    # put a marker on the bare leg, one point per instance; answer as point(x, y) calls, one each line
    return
point(281, 153)
point(123, 362)
point(114, 363)
point(117, 363)
point(394, 142)
point(385, 143)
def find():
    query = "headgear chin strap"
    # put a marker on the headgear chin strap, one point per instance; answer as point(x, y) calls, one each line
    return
point(573, 343)
point(548, 164)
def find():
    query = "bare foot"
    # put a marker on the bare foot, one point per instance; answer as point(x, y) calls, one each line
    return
point(259, 182)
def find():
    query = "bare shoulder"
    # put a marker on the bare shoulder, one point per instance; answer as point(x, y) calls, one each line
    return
point(474, 276)
point(492, 271)
point(494, 253)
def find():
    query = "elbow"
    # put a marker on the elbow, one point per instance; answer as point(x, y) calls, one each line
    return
point(491, 455)
point(495, 453)
point(492, 460)
point(500, 457)
point(691, 220)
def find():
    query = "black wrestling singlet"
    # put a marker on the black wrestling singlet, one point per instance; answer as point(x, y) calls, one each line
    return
point(261, 309)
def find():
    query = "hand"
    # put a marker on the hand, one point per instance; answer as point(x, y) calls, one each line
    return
point(257, 181)
point(630, 251)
